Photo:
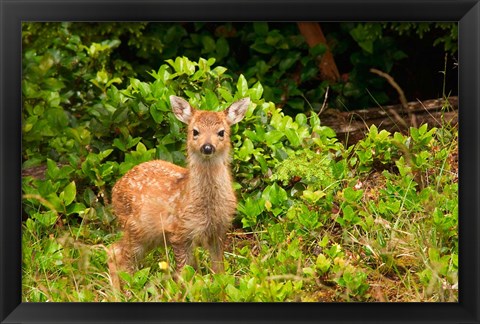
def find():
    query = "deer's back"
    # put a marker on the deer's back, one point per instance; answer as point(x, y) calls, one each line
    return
point(150, 187)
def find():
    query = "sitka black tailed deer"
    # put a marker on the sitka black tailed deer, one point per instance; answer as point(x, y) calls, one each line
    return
point(158, 203)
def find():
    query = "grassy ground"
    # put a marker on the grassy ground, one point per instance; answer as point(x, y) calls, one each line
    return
point(377, 224)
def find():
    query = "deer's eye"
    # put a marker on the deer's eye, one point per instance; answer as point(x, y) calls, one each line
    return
point(195, 132)
point(221, 133)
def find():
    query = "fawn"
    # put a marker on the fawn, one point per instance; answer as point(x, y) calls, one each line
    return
point(161, 204)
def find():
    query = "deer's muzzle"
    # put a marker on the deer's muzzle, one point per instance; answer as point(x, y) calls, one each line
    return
point(207, 149)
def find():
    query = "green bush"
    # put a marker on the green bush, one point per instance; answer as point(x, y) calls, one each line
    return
point(274, 54)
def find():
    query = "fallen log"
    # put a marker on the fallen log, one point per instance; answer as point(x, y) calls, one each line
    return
point(351, 126)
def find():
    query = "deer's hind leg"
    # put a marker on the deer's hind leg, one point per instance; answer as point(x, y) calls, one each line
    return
point(183, 252)
point(124, 256)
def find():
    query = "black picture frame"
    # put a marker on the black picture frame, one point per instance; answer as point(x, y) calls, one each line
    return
point(13, 12)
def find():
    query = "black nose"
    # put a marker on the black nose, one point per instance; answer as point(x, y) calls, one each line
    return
point(207, 149)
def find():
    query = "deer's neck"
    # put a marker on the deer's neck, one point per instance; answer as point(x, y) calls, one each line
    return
point(210, 193)
point(210, 175)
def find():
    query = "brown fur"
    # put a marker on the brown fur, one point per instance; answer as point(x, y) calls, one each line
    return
point(160, 204)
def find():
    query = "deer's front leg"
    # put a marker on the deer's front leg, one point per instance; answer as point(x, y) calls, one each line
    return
point(216, 255)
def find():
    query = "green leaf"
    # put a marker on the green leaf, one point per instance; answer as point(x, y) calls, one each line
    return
point(351, 195)
point(423, 129)
point(156, 113)
point(260, 28)
point(55, 201)
point(218, 71)
point(322, 264)
point(318, 50)
point(296, 103)
point(348, 213)
point(119, 144)
point(102, 77)
point(233, 293)
point(47, 219)
point(263, 48)
point(292, 137)
point(141, 148)
point(141, 277)
point(313, 196)
point(226, 95)
point(75, 208)
point(308, 271)
point(400, 138)
point(301, 119)
point(102, 155)
point(70, 193)
point(288, 62)
point(273, 137)
point(211, 100)
point(52, 169)
point(188, 272)
point(203, 65)
point(242, 86)
point(367, 45)
point(252, 207)
point(54, 84)
point(112, 81)
point(208, 44)
point(433, 255)
point(334, 251)
point(246, 150)
point(373, 131)
point(274, 38)
point(222, 48)
point(323, 243)
point(255, 92)
point(275, 194)
point(398, 55)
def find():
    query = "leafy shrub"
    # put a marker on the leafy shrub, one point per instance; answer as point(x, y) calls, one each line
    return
point(275, 54)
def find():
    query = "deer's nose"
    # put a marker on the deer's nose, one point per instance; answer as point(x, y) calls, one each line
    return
point(207, 149)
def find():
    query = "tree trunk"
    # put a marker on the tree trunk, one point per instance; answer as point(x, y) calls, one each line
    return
point(313, 35)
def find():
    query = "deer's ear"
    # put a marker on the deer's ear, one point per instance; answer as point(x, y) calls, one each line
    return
point(182, 109)
point(237, 110)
